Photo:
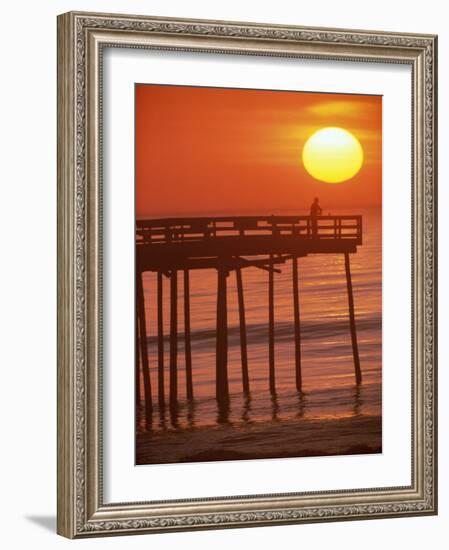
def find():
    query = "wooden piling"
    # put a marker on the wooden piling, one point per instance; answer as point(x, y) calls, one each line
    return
point(355, 349)
point(222, 386)
point(243, 341)
point(173, 337)
point(187, 337)
point(140, 299)
point(271, 327)
point(296, 313)
point(160, 339)
point(137, 359)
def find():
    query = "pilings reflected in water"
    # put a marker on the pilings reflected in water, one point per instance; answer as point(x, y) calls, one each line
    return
point(243, 410)
point(228, 245)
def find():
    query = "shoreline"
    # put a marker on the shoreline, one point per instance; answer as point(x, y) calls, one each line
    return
point(283, 439)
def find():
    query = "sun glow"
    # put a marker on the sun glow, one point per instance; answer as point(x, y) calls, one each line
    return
point(332, 155)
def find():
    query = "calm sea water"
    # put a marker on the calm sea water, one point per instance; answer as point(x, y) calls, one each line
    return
point(329, 389)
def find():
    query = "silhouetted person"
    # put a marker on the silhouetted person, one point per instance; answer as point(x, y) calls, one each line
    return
point(315, 211)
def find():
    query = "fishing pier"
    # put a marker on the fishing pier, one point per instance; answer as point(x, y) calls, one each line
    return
point(173, 247)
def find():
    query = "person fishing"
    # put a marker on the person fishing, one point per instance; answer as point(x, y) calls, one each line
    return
point(315, 211)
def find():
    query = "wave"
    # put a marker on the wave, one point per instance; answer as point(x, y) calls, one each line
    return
point(284, 331)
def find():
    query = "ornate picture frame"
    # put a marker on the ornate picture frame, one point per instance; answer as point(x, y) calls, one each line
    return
point(82, 39)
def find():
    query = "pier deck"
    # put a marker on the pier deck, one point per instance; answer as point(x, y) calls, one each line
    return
point(197, 243)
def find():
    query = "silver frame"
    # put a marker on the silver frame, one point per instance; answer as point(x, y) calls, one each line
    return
point(81, 39)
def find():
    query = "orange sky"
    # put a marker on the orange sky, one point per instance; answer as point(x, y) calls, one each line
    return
point(205, 151)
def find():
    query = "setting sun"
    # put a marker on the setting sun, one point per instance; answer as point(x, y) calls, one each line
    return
point(240, 142)
point(332, 155)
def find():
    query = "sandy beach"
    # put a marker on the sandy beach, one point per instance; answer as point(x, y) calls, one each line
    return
point(293, 438)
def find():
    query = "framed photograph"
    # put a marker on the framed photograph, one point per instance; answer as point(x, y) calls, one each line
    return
point(246, 274)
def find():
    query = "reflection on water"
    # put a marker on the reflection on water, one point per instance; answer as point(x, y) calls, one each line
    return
point(223, 409)
point(238, 410)
point(274, 407)
point(302, 400)
point(358, 401)
point(246, 410)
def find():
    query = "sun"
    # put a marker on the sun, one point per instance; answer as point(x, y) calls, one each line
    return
point(332, 155)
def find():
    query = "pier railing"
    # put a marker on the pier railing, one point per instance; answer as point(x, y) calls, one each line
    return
point(170, 230)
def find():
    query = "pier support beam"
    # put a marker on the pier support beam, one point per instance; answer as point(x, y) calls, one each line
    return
point(173, 338)
point(137, 355)
point(187, 340)
point(160, 339)
point(271, 327)
point(355, 349)
point(243, 341)
point(143, 346)
point(222, 386)
point(296, 313)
